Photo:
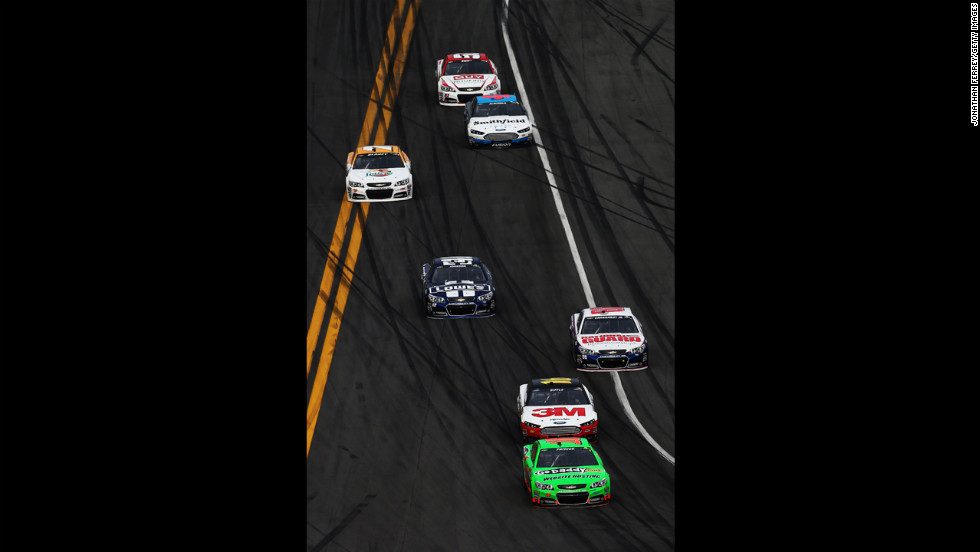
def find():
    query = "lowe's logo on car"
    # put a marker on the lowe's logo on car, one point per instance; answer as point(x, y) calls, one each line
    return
point(609, 338)
point(440, 289)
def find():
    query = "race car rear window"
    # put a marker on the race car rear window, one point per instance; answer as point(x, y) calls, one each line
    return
point(378, 161)
point(457, 274)
point(566, 458)
point(618, 324)
point(498, 109)
point(553, 396)
point(468, 66)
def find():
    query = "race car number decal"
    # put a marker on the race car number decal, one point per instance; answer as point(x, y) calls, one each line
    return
point(457, 260)
point(608, 338)
point(558, 411)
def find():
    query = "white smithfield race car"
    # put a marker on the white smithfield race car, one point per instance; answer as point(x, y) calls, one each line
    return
point(378, 173)
point(462, 76)
point(497, 121)
point(608, 339)
point(557, 407)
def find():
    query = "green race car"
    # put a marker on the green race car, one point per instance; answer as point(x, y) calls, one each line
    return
point(565, 471)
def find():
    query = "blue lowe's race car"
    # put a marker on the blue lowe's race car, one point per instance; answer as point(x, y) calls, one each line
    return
point(497, 121)
point(457, 287)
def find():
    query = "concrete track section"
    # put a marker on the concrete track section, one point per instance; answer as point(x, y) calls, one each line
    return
point(417, 444)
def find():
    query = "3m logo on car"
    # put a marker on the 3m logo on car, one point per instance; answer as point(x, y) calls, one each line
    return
point(558, 411)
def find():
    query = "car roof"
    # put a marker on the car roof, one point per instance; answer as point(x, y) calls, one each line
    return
point(572, 382)
point(456, 261)
point(599, 311)
point(497, 98)
point(377, 149)
point(562, 442)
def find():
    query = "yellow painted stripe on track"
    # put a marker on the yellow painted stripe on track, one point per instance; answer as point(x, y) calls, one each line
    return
point(350, 260)
point(319, 310)
point(340, 230)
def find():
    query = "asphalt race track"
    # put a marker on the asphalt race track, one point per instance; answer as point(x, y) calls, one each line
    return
point(417, 443)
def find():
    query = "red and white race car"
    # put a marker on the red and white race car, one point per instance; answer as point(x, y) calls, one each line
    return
point(608, 339)
point(557, 407)
point(463, 76)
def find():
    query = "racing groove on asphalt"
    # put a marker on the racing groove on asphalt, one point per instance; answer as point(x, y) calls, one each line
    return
point(417, 444)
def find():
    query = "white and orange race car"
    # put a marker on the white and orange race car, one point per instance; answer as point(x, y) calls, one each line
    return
point(378, 173)
point(463, 76)
point(608, 339)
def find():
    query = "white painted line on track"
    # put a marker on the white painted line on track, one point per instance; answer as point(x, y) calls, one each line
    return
point(620, 392)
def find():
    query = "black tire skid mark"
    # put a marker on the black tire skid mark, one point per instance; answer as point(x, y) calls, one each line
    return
point(431, 334)
point(660, 475)
point(601, 6)
point(604, 393)
point(639, 47)
point(663, 336)
point(636, 186)
point(516, 301)
point(610, 155)
point(546, 45)
point(505, 423)
point(659, 134)
point(628, 444)
point(329, 304)
point(348, 519)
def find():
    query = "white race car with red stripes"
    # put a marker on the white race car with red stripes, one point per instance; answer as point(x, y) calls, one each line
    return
point(608, 339)
point(462, 76)
point(557, 407)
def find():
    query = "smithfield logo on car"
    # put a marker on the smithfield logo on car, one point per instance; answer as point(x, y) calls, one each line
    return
point(379, 172)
